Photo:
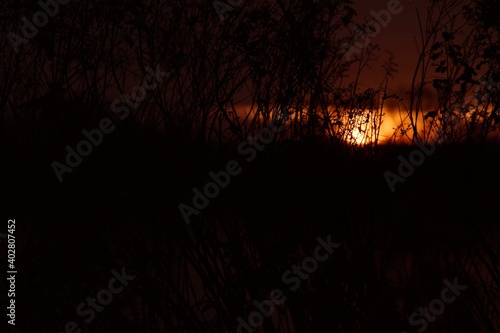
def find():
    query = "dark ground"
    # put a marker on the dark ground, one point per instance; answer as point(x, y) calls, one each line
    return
point(119, 209)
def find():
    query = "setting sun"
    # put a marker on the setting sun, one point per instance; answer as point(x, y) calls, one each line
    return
point(358, 137)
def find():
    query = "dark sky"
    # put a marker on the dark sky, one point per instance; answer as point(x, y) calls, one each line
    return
point(398, 37)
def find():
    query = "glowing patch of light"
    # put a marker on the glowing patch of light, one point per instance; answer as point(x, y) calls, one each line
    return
point(358, 137)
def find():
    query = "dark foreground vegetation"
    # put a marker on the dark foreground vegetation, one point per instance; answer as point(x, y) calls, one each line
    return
point(397, 248)
point(119, 206)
